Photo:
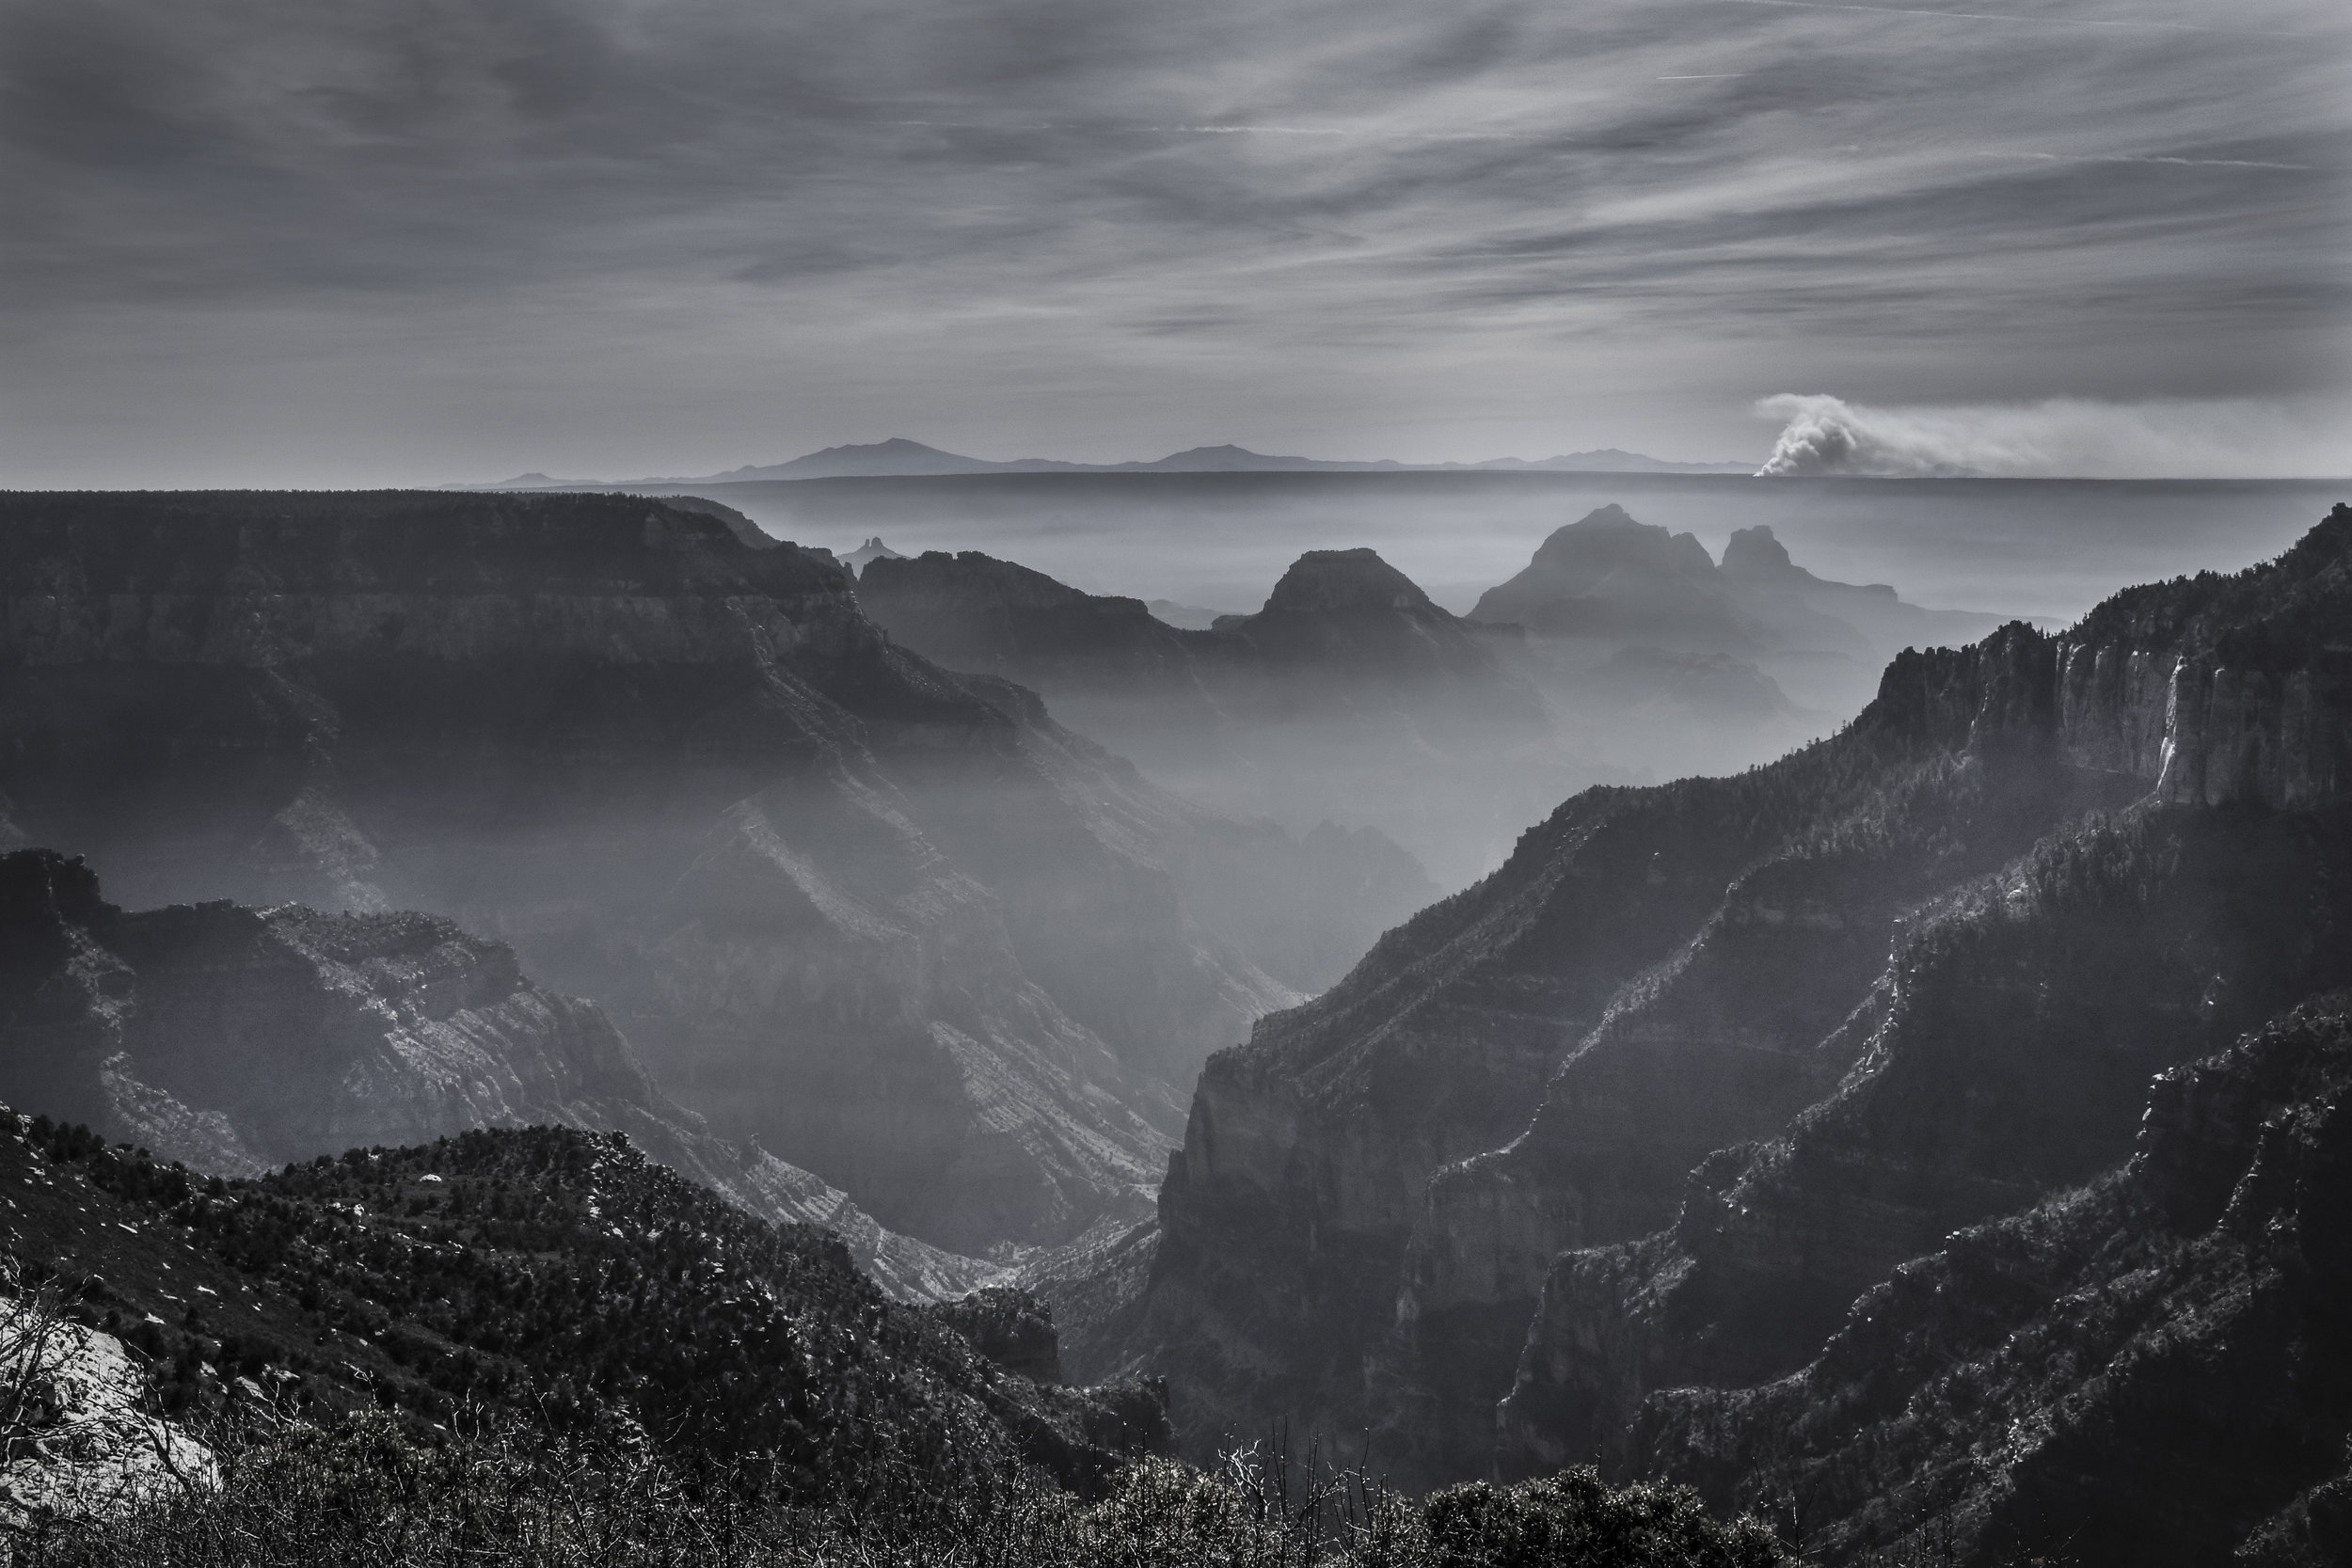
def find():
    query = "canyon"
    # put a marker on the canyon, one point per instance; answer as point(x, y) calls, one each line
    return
point(1931, 1142)
point(235, 1041)
point(1348, 698)
point(896, 925)
point(1647, 1110)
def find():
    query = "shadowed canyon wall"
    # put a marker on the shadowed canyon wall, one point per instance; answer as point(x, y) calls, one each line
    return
point(897, 924)
point(237, 1040)
point(1650, 1106)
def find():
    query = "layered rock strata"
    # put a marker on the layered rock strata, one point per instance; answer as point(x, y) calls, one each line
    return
point(1348, 698)
point(2151, 1368)
point(897, 924)
point(237, 1040)
point(1650, 1105)
point(2021, 1027)
point(1753, 653)
point(1607, 577)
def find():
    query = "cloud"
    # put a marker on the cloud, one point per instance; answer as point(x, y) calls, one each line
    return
point(2060, 437)
point(2139, 22)
point(723, 230)
point(2131, 158)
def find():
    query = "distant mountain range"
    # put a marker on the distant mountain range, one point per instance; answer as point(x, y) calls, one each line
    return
point(899, 458)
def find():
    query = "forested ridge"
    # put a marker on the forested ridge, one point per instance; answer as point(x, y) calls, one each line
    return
point(537, 1346)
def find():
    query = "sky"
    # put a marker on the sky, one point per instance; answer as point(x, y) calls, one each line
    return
point(276, 242)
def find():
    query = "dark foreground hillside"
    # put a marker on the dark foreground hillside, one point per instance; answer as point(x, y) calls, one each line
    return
point(541, 1271)
point(358, 1495)
point(537, 1346)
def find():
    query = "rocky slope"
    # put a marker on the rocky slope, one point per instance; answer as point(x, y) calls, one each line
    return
point(235, 1040)
point(1342, 630)
point(2151, 1368)
point(973, 611)
point(1743, 1111)
point(1366, 633)
point(550, 1276)
point(1607, 584)
point(2020, 1029)
point(897, 924)
point(1348, 698)
point(82, 1438)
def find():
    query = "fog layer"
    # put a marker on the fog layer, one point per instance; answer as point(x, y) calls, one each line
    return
point(2041, 549)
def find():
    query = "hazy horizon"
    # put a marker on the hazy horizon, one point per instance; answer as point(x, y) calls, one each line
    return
point(255, 245)
point(2041, 550)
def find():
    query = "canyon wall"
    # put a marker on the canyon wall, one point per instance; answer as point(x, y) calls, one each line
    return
point(2155, 1363)
point(1349, 701)
point(235, 1041)
point(1650, 1105)
point(897, 924)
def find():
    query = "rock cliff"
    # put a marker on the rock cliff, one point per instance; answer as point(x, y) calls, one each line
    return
point(973, 611)
point(1606, 574)
point(2020, 1028)
point(1342, 630)
point(1607, 584)
point(1368, 634)
point(2151, 1368)
point(1651, 1104)
point(235, 1041)
point(897, 924)
point(1348, 698)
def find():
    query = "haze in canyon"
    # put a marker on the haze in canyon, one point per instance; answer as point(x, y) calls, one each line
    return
point(1303, 786)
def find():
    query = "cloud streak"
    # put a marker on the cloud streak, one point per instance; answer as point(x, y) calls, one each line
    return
point(2142, 158)
point(2138, 24)
point(269, 240)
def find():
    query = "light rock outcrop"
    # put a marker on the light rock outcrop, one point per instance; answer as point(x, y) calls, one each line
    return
point(81, 1439)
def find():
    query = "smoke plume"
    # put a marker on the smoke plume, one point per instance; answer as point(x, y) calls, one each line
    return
point(2060, 437)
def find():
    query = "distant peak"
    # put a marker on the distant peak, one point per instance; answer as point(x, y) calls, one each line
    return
point(1323, 581)
point(889, 446)
point(894, 456)
point(1612, 516)
point(1755, 553)
point(1610, 527)
point(873, 550)
point(1608, 537)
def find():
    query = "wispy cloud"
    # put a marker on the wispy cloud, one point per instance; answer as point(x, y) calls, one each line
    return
point(407, 237)
point(2143, 158)
point(2144, 25)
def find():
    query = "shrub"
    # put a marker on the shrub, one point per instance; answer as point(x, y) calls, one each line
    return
point(1576, 1518)
point(361, 1494)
